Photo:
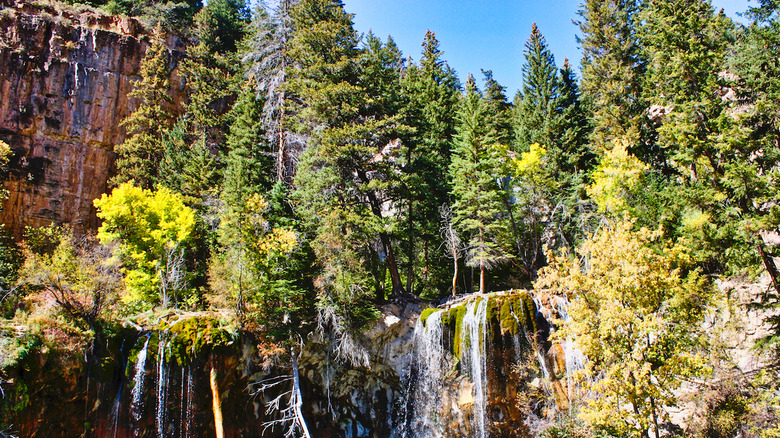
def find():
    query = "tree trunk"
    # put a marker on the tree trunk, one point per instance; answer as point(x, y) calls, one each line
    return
point(482, 278)
point(769, 264)
point(280, 174)
point(215, 401)
point(298, 397)
point(455, 272)
point(395, 277)
point(410, 254)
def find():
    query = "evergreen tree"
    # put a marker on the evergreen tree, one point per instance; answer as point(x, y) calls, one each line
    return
point(188, 167)
point(755, 182)
point(571, 128)
point(140, 154)
point(432, 91)
point(551, 128)
point(221, 25)
point(612, 70)
point(478, 207)
point(498, 107)
point(535, 104)
point(346, 178)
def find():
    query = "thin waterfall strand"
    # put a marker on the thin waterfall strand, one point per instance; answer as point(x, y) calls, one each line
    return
point(162, 389)
point(136, 406)
point(473, 351)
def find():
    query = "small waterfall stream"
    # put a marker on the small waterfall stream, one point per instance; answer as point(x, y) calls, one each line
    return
point(430, 362)
point(162, 390)
point(473, 352)
point(136, 406)
point(469, 362)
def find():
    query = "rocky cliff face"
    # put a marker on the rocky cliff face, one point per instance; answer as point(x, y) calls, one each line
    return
point(65, 76)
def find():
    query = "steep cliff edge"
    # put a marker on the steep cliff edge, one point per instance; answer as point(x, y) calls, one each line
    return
point(65, 74)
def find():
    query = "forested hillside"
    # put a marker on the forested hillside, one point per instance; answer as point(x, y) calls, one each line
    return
point(313, 174)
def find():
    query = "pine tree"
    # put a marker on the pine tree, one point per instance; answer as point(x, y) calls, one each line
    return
point(140, 153)
point(347, 178)
point(478, 207)
point(432, 91)
point(571, 128)
point(221, 25)
point(612, 70)
point(498, 107)
point(684, 44)
point(535, 104)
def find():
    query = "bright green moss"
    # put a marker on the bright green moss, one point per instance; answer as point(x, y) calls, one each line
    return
point(426, 313)
point(507, 321)
point(455, 318)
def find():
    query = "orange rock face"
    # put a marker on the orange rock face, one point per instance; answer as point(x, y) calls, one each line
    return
point(65, 76)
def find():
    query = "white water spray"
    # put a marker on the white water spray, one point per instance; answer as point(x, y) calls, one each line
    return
point(473, 353)
point(424, 394)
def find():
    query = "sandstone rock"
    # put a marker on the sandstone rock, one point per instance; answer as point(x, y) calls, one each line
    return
point(65, 78)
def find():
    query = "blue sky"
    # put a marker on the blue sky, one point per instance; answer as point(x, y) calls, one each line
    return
point(486, 34)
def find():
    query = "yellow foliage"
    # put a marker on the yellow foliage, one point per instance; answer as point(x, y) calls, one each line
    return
point(616, 179)
point(5, 153)
point(148, 225)
point(278, 241)
point(531, 161)
point(635, 312)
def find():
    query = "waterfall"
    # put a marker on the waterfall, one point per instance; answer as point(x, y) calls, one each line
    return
point(190, 404)
point(424, 389)
point(162, 389)
point(136, 406)
point(473, 352)
point(575, 360)
point(118, 399)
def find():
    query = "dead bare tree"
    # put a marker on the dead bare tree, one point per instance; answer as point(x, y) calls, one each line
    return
point(287, 405)
point(173, 274)
point(452, 242)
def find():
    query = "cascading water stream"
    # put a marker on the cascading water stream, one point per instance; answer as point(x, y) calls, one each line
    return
point(118, 399)
point(575, 360)
point(162, 389)
point(473, 351)
point(431, 366)
point(136, 405)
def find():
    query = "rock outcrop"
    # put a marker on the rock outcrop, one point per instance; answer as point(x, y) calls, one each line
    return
point(65, 76)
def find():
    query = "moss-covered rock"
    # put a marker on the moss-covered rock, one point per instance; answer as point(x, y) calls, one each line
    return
point(195, 335)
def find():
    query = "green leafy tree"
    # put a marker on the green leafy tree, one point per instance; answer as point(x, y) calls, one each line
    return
point(635, 312)
point(478, 207)
point(153, 230)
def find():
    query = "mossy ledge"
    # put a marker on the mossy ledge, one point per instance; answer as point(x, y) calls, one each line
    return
point(508, 313)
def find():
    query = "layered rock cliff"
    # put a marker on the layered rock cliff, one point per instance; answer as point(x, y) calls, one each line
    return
point(65, 76)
